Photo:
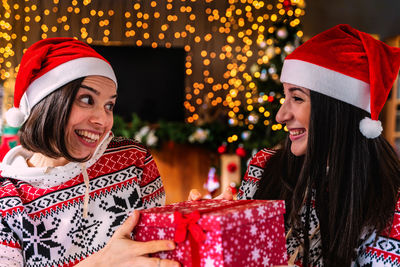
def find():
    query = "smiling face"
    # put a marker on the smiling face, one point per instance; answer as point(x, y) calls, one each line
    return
point(91, 116)
point(295, 113)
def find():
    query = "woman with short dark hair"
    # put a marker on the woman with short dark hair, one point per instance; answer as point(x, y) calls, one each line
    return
point(68, 191)
point(44, 130)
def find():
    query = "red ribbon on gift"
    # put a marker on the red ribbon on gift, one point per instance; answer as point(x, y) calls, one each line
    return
point(185, 222)
point(188, 223)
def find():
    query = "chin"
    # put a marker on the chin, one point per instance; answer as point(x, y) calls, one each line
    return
point(82, 155)
point(298, 152)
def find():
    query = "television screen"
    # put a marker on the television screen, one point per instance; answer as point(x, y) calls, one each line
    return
point(150, 81)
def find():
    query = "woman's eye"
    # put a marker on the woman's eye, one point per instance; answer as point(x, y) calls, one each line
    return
point(86, 99)
point(296, 98)
point(110, 106)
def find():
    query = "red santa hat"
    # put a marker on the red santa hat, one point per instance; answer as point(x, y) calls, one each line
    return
point(46, 66)
point(348, 65)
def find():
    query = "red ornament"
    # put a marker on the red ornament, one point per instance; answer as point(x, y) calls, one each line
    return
point(232, 167)
point(222, 149)
point(241, 152)
point(287, 4)
point(270, 98)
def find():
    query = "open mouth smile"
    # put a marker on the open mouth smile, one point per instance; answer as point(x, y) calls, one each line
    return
point(295, 134)
point(88, 136)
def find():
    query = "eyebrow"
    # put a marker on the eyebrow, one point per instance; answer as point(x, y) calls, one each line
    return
point(94, 90)
point(292, 89)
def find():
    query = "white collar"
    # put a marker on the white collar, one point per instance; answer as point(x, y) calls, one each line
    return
point(14, 166)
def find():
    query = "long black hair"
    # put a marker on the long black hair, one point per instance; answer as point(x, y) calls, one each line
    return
point(355, 180)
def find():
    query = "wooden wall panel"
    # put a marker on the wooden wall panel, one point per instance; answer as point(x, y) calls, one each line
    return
point(182, 168)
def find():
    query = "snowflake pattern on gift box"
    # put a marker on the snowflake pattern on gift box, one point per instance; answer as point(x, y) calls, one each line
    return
point(253, 230)
point(179, 255)
point(218, 248)
point(161, 234)
point(209, 262)
point(228, 258)
point(251, 234)
point(265, 261)
point(255, 254)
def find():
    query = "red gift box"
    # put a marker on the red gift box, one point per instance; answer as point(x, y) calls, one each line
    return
point(218, 232)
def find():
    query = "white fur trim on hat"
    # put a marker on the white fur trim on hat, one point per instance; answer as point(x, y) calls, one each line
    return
point(370, 128)
point(57, 77)
point(328, 82)
point(65, 73)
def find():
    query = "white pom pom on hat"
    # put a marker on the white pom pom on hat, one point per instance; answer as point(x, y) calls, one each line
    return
point(348, 65)
point(15, 117)
point(46, 66)
point(370, 128)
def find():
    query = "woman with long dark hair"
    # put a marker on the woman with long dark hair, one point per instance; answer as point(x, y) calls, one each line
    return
point(339, 177)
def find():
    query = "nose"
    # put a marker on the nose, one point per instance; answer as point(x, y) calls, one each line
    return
point(283, 114)
point(99, 117)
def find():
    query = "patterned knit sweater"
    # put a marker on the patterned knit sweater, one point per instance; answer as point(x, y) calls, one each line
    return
point(42, 223)
point(384, 252)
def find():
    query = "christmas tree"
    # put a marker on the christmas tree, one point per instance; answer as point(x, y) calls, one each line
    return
point(251, 124)
point(254, 126)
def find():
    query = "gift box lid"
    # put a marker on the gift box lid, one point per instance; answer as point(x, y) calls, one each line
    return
point(213, 212)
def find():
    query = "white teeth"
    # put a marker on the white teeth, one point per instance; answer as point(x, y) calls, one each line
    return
point(296, 132)
point(88, 136)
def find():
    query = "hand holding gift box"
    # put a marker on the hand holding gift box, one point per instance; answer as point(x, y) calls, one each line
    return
point(218, 232)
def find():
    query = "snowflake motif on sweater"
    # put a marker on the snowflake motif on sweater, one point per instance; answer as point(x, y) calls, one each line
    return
point(46, 225)
point(384, 252)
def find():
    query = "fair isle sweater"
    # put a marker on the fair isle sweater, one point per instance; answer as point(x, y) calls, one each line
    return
point(42, 221)
point(384, 252)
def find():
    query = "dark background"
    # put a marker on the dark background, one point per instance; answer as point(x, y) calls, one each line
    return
point(380, 17)
point(150, 81)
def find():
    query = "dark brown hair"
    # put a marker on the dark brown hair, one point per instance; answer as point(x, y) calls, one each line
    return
point(44, 130)
point(356, 180)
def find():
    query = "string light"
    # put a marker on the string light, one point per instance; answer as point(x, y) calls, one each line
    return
point(241, 25)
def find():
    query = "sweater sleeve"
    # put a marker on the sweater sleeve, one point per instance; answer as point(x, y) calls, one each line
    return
point(10, 256)
point(151, 187)
point(10, 249)
point(384, 249)
point(254, 173)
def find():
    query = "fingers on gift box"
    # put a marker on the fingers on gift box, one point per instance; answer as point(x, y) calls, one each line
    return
point(218, 232)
